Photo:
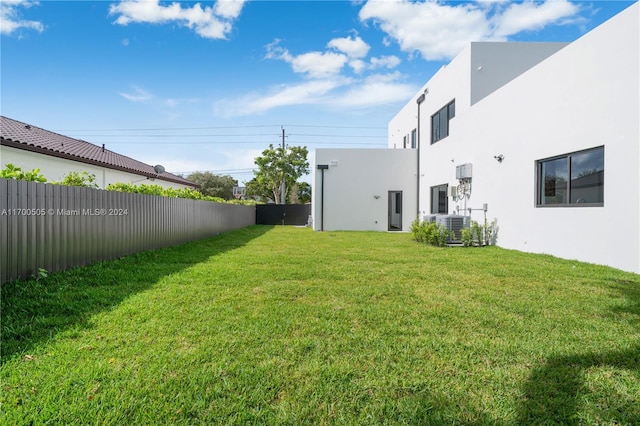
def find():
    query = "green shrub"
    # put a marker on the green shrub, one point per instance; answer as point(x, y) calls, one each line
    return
point(188, 193)
point(480, 235)
point(11, 171)
point(83, 179)
point(430, 232)
point(466, 237)
point(477, 233)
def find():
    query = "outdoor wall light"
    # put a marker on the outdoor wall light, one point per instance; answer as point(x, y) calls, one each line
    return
point(499, 158)
point(377, 197)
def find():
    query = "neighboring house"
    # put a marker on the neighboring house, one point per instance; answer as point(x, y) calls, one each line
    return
point(31, 147)
point(545, 135)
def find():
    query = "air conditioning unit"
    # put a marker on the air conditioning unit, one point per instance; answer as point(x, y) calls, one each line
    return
point(429, 218)
point(453, 223)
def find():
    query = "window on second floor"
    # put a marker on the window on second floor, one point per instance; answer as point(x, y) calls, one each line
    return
point(440, 121)
point(414, 138)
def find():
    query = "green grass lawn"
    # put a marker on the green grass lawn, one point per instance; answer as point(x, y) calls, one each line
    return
point(281, 325)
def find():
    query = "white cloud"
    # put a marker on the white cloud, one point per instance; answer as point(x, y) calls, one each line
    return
point(10, 17)
point(353, 47)
point(531, 16)
point(209, 22)
point(313, 64)
point(229, 9)
point(318, 64)
point(309, 92)
point(378, 89)
point(389, 61)
point(358, 65)
point(437, 31)
point(138, 95)
point(341, 92)
point(440, 31)
point(328, 82)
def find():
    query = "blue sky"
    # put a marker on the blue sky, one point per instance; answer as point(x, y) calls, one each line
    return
point(208, 85)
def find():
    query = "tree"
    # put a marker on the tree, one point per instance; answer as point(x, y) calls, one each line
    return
point(300, 193)
point(214, 185)
point(258, 189)
point(275, 166)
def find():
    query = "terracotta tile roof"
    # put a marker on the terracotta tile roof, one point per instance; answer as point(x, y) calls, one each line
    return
point(31, 138)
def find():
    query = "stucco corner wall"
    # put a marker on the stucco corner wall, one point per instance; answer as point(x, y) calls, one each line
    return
point(356, 187)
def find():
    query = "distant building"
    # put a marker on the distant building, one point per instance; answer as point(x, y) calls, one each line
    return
point(544, 135)
point(31, 147)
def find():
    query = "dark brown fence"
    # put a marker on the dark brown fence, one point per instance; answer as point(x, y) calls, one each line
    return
point(283, 214)
point(56, 227)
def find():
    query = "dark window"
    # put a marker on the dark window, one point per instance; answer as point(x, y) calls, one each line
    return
point(413, 138)
point(571, 179)
point(440, 122)
point(439, 199)
point(404, 141)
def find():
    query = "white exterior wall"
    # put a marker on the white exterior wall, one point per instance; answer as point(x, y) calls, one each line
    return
point(449, 83)
point(475, 73)
point(54, 169)
point(529, 102)
point(356, 187)
point(584, 96)
point(495, 64)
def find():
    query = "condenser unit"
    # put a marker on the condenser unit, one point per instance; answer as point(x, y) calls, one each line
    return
point(453, 223)
point(429, 218)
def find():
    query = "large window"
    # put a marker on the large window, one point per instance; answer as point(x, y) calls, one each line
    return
point(575, 179)
point(440, 121)
point(439, 199)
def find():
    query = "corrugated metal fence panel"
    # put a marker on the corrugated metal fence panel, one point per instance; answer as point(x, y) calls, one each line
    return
point(56, 227)
point(4, 231)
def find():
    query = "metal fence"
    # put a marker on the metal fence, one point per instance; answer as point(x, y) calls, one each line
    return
point(57, 227)
point(283, 214)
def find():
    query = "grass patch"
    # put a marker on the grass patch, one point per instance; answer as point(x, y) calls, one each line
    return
point(286, 326)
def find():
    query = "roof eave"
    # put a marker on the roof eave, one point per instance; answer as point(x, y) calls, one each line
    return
point(33, 148)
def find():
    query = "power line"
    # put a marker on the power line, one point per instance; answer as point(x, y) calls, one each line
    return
point(164, 128)
point(218, 172)
point(226, 135)
point(315, 143)
point(218, 127)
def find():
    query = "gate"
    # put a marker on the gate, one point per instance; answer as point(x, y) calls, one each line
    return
point(283, 214)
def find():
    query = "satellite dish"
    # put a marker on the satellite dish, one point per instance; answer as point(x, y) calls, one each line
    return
point(158, 168)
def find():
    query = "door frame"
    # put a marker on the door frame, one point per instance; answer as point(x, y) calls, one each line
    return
point(394, 208)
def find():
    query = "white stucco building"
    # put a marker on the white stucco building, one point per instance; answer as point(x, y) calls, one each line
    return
point(546, 135)
point(30, 147)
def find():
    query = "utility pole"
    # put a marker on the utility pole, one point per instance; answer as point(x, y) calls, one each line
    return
point(283, 191)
